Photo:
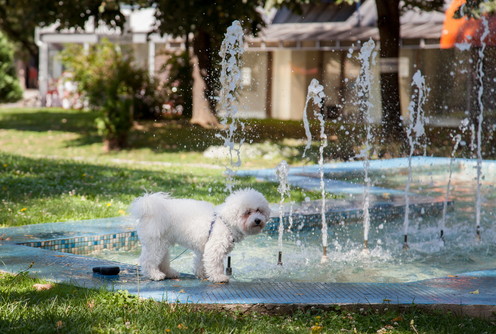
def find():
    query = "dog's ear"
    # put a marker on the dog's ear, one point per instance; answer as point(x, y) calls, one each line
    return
point(229, 213)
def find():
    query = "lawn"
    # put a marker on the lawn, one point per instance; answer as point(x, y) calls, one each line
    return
point(53, 168)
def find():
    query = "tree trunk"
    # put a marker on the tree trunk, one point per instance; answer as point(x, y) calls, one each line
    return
point(203, 90)
point(202, 114)
point(388, 23)
point(115, 143)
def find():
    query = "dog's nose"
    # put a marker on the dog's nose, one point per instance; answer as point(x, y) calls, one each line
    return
point(258, 221)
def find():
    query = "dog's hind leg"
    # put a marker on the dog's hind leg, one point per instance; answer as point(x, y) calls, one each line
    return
point(166, 268)
point(151, 259)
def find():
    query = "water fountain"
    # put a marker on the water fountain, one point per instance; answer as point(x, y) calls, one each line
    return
point(282, 175)
point(316, 95)
point(258, 254)
point(232, 49)
point(415, 131)
point(480, 119)
point(230, 79)
point(364, 83)
point(456, 139)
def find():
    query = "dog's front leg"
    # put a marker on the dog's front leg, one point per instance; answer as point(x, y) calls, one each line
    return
point(198, 265)
point(216, 250)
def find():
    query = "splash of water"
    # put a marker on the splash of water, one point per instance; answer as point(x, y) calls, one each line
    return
point(230, 79)
point(456, 139)
point(282, 171)
point(366, 57)
point(480, 118)
point(316, 94)
point(414, 132)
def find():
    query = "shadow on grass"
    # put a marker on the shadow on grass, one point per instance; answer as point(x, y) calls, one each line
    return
point(48, 120)
point(181, 136)
point(165, 136)
point(24, 178)
point(176, 136)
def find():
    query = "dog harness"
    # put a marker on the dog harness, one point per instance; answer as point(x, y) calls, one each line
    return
point(212, 225)
point(231, 233)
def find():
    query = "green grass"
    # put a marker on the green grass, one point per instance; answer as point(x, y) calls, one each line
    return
point(52, 167)
point(68, 309)
point(41, 190)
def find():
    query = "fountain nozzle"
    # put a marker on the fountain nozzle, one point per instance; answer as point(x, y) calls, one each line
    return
point(365, 249)
point(441, 236)
point(405, 243)
point(279, 259)
point(324, 258)
point(229, 268)
point(477, 233)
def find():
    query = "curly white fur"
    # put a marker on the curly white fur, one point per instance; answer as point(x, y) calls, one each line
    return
point(164, 221)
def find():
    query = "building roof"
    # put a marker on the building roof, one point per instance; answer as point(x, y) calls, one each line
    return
point(320, 26)
point(327, 25)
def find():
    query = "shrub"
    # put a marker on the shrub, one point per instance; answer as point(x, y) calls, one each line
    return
point(149, 100)
point(110, 82)
point(10, 90)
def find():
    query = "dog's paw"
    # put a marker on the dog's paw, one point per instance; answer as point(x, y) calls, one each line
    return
point(200, 274)
point(171, 273)
point(219, 279)
point(157, 276)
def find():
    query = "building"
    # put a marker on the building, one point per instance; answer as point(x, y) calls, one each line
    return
point(323, 43)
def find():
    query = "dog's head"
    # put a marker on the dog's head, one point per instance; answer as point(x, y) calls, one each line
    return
point(246, 210)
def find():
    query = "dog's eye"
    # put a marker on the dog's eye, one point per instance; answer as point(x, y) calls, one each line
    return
point(247, 213)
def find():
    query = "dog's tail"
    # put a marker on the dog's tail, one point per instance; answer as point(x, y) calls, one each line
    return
point(148, 205)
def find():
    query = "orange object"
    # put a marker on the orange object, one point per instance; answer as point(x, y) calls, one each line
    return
point(465, 30)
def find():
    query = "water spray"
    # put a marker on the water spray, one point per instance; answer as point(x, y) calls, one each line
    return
point(457, 139)
point(364, 86)
point(480, 118)
point(230, 79)
point(316, 95)
point(414, 132)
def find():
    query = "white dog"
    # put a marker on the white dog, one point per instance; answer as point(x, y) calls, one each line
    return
point(198, 225)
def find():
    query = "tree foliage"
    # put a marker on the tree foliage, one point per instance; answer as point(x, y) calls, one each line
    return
point(10, 90)
point(207, 22)
point(476, 8)
point(19, 18)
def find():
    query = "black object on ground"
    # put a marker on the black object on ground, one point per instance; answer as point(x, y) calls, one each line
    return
point(107, 270)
